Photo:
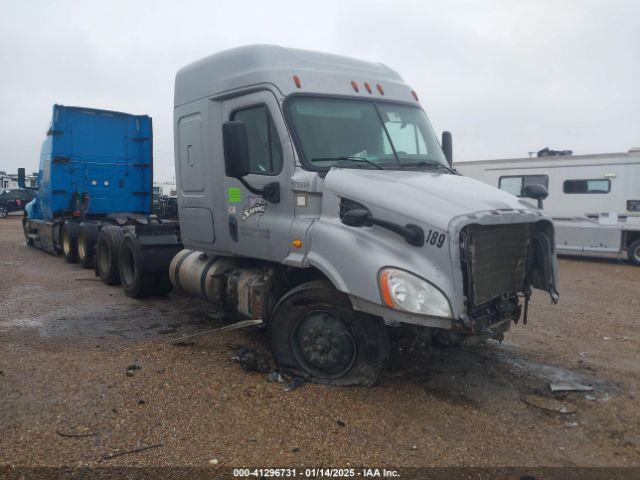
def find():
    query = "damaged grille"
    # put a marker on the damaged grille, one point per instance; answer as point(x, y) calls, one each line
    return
point(494, 260)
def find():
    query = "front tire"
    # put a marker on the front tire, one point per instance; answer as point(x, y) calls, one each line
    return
point(4, 212)
point(316, 334)
point(634, 253)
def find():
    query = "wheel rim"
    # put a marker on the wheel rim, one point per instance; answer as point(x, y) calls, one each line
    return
point(66, 243)
point(3, 212)
point(323, 345)
point(636, 254)
point(81, 249)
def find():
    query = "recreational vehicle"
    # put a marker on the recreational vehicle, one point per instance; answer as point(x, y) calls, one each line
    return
point(594, 199)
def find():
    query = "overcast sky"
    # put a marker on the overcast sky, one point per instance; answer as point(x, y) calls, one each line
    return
point(506, 77)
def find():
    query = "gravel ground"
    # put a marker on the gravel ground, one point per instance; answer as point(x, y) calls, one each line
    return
point(66, 341)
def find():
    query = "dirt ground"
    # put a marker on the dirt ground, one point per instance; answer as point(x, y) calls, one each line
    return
point(66, 341)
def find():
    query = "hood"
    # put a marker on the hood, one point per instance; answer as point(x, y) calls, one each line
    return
point(433, 198)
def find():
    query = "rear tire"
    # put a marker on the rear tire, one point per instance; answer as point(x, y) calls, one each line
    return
point(70, 232)
point(86, 243)
point(316, 334)
point(634, 253)
point(109, 240)
point(56, 236)
point(136, 282)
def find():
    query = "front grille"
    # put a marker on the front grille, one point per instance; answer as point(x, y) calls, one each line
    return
point(494, 260)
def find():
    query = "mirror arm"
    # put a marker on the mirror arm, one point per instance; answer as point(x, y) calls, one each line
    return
point(413, 234)
point(270, 192)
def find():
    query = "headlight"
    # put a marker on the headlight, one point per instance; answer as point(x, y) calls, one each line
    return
point(402, 290)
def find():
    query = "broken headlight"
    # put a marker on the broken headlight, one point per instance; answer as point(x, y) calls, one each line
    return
point(402, 290)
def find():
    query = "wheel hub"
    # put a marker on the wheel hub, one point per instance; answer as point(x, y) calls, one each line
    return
point(323, 344)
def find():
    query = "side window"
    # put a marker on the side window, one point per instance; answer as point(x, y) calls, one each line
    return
point(265, 151)
point(515, 183)
point(587, 186)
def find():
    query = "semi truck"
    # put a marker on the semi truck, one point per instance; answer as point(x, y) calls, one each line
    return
point(314, 194)
point(594, 199)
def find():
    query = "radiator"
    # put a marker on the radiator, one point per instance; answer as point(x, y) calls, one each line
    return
point(494, 260)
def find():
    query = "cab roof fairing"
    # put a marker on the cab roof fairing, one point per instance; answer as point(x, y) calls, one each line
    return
point(319, 73)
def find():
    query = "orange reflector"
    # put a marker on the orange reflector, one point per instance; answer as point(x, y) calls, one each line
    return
point(380, 89)
point(384, 290)
point(415, 95)
point(367, 86)
point(354, 84)
point(296, 80)
point(297, 243)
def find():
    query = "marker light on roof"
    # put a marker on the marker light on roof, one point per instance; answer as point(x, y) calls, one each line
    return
point(354, 84)
point(380, 89)
point(415, 95)
point(367, 86)
point(296, 80)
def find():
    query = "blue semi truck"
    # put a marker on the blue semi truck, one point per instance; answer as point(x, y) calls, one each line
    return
point(94, 188)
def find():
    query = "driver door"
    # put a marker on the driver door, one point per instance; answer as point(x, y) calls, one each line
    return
point(258, 228)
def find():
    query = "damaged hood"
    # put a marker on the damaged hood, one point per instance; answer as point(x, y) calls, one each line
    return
point(429, 197)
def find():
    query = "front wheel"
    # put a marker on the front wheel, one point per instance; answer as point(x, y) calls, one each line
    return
point(3, 212)
point(316, 334)
point(634, 253)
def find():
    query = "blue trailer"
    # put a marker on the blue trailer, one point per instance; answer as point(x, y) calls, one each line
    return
point(95, 181)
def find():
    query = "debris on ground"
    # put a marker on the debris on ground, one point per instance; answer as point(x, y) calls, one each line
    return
point(213, 461)
point(275, 377)
point(549, 404)
point(226, 328)
point(569, 387)
point(251, 360)
point(109, 456)
point(167, 330)
point(340, 423)
point(131, 369)
point(296, 382)
point(84, 433)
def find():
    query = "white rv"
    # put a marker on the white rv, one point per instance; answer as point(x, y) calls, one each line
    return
point(593, 199)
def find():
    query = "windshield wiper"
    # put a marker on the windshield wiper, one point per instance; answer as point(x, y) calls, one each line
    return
point(352, 158)
point(432, 163)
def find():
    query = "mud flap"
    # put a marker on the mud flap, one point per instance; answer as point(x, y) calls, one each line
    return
point(544, 268)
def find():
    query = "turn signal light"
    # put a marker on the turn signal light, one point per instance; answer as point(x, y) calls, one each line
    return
point(415, 95)
point(354, 84)
point(297, 243)
point(296, 80)
point(367, 86)
point(380, 89)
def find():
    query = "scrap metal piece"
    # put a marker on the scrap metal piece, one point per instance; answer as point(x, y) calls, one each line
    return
point(226, 328)
point(570, 387)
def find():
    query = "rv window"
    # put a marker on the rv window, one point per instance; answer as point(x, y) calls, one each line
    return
point(587, 186)
point(514, 184)
point(265, 151)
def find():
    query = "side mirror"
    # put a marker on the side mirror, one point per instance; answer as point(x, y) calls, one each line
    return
point(537, 192)
point(357, 218)
point(447, 147)
point(236, 149)
point(21, 178)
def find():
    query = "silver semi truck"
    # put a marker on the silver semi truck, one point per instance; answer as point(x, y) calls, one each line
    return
point(314, 194)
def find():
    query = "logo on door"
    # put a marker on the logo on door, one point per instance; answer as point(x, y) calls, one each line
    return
point(256, 207)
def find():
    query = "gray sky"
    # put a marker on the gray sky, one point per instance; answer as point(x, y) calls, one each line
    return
point(506, 77)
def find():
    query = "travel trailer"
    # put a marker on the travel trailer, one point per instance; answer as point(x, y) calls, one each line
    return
point(594, 199)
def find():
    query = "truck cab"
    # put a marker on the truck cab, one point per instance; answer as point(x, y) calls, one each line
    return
point(317, 187)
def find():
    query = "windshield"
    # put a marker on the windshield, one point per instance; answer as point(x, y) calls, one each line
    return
point(357, 134)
